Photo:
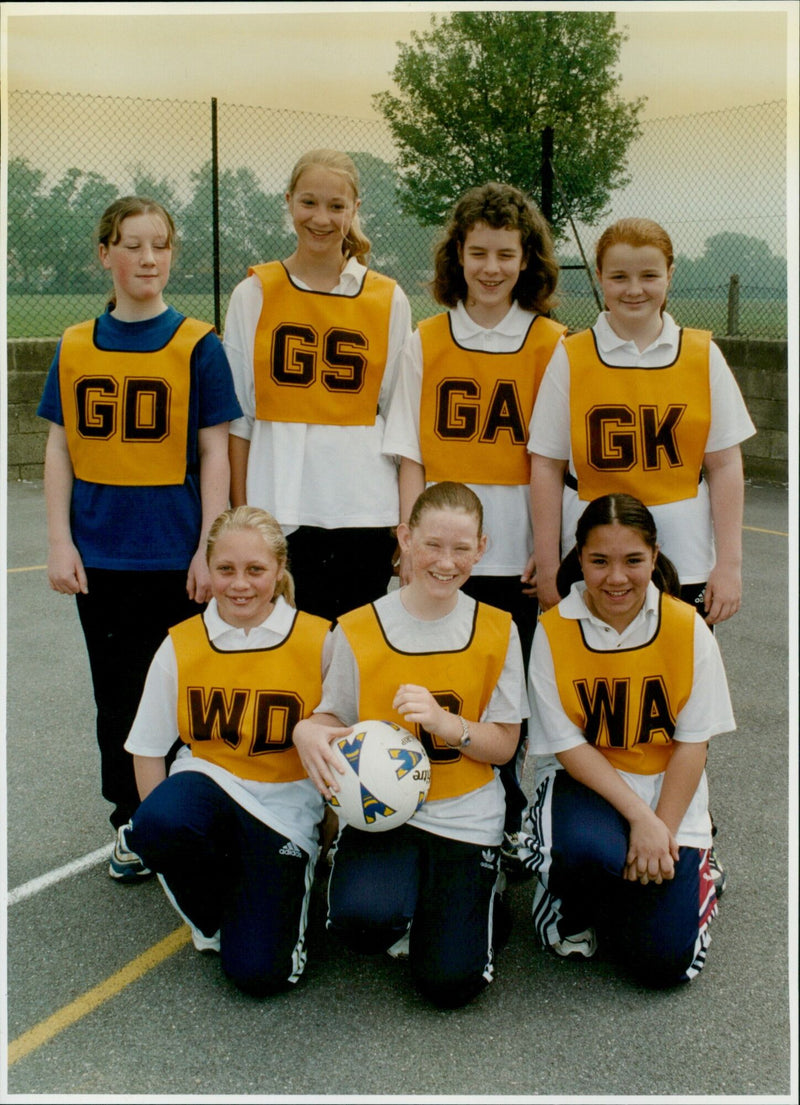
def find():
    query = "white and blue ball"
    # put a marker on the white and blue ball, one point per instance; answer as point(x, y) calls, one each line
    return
point(387, 776)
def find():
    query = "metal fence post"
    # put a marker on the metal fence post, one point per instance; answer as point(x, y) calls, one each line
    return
point(733, 305)
point(215, 213)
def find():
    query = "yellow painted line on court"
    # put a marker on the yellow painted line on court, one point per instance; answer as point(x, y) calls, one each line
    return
point(33, 568)
point(43, 1032)
point(772, 532)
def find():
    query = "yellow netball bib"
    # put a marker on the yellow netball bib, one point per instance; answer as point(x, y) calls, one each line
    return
point(475, 406)
point(126, 415)
point(319, 357)
point(641, 431)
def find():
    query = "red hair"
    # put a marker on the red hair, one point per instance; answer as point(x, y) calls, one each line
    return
point(634, 232)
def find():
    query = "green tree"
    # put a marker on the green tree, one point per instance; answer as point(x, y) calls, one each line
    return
point(252, 228)
point(400, 246)
point(478, 89)
point(24, 242)
point(762, 275)
point(162, 191)
point(66, 223)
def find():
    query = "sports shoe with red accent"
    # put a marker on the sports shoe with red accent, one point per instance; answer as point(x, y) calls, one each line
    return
point(717, 871)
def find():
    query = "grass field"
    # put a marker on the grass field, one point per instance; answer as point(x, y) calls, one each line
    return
point(47, 316)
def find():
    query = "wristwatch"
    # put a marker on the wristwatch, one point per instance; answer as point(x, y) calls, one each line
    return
point(465, 737)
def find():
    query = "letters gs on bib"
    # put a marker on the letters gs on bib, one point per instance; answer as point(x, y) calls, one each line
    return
point(297, 350)
point(140, 412)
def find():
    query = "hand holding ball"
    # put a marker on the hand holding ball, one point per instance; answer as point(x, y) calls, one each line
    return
point(387, 776)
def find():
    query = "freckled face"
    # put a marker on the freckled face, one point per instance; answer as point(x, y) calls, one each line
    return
point(444, 547)
point(244, 572)
point(617, 566)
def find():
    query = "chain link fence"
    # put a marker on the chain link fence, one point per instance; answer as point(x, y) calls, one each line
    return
point(716, 181)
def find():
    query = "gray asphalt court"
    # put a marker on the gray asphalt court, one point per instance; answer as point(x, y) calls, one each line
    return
point(106, 998)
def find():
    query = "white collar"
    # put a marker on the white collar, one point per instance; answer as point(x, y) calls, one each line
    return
point(514, 323)
point(350, 278)
point(608, 340)
point(574, 607)
point(353, 272)
point(279, 620)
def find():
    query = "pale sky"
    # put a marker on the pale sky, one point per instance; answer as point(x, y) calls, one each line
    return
point(685, 57)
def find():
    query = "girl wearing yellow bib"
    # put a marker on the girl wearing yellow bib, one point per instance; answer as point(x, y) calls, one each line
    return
point(626, 687)
point(432, 659)
point(136, 470)
point(468, 383)
point(313, 342)
point(233, 829)
point(641, 406)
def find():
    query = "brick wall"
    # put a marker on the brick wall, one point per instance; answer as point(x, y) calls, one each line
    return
point(761, 369)
point(28, 362)
point(759, 366)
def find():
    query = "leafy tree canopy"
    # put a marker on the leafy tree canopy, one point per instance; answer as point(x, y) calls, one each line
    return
point(478, 89)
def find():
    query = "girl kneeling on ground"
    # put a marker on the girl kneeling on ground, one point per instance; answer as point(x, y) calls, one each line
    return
point(433, 660)
point(233, 830)
point(626, 688)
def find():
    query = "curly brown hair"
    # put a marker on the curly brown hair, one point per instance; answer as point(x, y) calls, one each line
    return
point(502, 207)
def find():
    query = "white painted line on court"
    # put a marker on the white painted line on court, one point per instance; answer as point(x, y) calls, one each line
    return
point(28, 889)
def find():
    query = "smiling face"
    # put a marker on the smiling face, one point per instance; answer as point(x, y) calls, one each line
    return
point(322, 207)
point(139, 263)
point(617, 566)
point(492, 260)
point(244, 572)
point(444, 547)
point(634, 280)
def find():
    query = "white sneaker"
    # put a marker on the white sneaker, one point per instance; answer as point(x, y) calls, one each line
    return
point(201, 942)
point(399, 950)
point(582, 943)
point(204, 943)
point(124, 865)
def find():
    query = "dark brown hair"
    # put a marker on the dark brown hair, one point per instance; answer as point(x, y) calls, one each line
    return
point(622, 510)
point(109, 228)
point(501, 207)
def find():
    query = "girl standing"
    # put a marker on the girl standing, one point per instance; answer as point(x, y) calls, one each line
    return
point(313, 343)
point(627, 686)
point(466, 392)
point(637, 405)
point(431, 659)
point(136, 470)
point(232, 831)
